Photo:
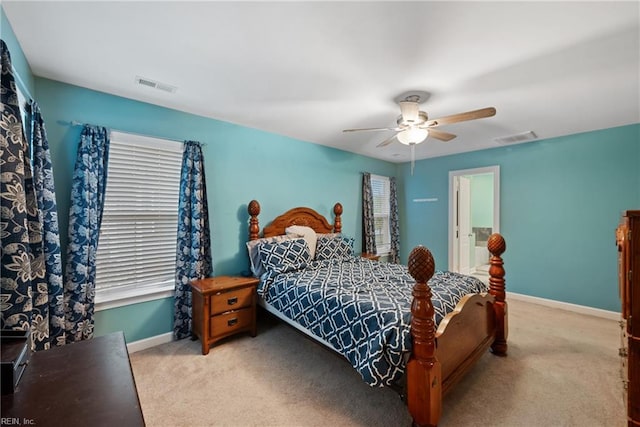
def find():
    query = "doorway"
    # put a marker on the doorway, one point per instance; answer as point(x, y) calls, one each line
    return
point(474, 214)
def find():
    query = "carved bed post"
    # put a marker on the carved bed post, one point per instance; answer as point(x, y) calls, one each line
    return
point(254, 227)
point(497, 246)
point(424, 376)
point(337, 222)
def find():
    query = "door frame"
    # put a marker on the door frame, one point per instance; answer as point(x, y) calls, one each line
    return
point(453, 206)
point(463, 241)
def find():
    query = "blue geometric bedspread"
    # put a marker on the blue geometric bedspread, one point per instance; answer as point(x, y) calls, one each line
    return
point(362, 308)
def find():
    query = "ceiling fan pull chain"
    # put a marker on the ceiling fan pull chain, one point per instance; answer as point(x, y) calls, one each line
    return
point(413, 157)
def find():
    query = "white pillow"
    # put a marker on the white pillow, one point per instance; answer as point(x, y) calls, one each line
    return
point(307, 233)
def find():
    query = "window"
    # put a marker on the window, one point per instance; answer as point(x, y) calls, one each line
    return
point(380, 190)
point(137, 247)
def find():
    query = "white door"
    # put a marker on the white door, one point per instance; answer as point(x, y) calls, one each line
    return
point(461, 259)
point(464, 225)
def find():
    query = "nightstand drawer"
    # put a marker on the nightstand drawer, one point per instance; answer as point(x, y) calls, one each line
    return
point(230, 322)
point(232, 300)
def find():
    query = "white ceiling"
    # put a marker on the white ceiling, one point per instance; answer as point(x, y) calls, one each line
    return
point(310, 69)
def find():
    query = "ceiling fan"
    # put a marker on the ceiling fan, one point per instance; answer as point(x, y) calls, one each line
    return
point(414, 126)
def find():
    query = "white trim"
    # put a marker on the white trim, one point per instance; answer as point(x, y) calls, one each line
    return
point(582, 309)
point(132, 296)
point(496, 203)
point(146, 343)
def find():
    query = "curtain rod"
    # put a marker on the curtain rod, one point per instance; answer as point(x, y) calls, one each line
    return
point(77, 123)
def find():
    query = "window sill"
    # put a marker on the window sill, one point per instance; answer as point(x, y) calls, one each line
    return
point(107, 300)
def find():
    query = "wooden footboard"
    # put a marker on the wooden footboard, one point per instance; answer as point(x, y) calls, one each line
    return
point(440, 358)
point(463, 336)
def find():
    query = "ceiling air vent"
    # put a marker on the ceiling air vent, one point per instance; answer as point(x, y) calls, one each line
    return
point(156, 85)
point(518, 137)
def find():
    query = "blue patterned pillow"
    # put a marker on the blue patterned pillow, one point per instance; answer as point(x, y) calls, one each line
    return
point(254, 256)
point(334, 247)
point(288, 255)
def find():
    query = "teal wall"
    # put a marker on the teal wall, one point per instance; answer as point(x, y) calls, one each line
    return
point(482, 200)
point(241, 164)
point(560, 203)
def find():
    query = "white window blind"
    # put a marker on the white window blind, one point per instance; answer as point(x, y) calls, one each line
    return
point(381, 212)
point(137, 246)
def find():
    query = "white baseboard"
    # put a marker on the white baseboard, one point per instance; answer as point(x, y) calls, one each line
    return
point(582, 309)
point(146, 343)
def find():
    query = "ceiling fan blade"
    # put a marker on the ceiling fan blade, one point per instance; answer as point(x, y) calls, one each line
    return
point(442, 136)
point(461, 117)
point(369, 129)
point(387, 141)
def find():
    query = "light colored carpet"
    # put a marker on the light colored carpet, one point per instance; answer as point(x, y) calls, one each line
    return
point(562, 370)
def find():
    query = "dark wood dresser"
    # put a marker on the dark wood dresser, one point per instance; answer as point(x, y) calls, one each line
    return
point(628, 242)
point(88, 383)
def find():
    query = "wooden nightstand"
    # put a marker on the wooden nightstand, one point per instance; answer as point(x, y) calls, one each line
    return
point(374, 257)
point(223, 306)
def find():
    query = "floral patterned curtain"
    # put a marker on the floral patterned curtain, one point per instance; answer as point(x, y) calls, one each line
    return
point(368, 224)
point(50, 325)
point(23, 301)
point(85, 216)
point(394, 224)
point(193, 252)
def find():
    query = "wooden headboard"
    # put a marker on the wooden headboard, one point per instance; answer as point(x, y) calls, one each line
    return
point(295, 216)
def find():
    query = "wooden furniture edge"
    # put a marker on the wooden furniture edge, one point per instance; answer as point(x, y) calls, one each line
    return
point(89, 382)
point(628, 246)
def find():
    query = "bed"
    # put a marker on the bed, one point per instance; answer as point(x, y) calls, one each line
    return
point(411, 325)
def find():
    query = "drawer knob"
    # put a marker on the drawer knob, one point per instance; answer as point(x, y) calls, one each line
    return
point(232, 322)
point(232, 301)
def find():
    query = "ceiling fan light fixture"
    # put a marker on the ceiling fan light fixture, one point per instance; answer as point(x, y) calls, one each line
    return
point(413, 135)
point(410, 111)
